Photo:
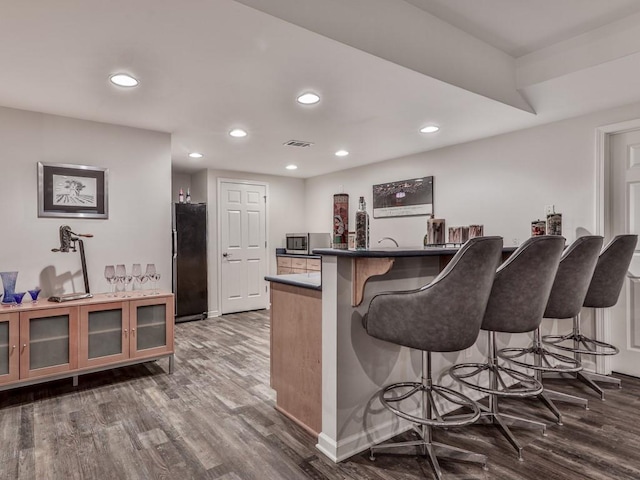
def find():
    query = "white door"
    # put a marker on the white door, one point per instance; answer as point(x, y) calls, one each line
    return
point(625, 210)
point(243, 247)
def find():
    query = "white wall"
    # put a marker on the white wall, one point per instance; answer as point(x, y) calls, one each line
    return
point(137, 230)
point(503, 182)
point(285, 213)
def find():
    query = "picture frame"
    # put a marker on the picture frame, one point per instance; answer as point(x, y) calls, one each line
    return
point(403, 198)
point(72, 191)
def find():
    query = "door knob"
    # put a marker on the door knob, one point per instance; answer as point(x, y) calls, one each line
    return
point(225, 254)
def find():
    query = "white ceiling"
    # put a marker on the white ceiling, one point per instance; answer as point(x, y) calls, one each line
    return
point(206, 67)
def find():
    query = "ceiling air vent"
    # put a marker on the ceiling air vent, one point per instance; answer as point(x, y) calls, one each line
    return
point(297, 143)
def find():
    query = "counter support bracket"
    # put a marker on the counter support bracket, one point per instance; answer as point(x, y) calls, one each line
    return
point(364, 268)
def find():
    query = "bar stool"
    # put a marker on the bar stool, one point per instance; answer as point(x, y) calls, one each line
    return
point(443, 316)
point(604, 290)
point(518, 297)
point(565, 301)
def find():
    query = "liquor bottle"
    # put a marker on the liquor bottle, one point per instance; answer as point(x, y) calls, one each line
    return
point(362, 226)
point(188, 195)
point(181, 196)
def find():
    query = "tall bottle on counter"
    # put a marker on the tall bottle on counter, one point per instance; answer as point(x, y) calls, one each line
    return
point(362, 226)
point(341, 221)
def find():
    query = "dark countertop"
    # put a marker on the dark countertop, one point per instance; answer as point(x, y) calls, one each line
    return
point(294, 255)
point(396, 251)
point(312, 280)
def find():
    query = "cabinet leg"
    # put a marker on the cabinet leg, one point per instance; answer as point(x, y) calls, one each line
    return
point(171, 361)
point(75, 380)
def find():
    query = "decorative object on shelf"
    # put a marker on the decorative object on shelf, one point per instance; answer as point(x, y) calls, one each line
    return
point(362, 226)
point(554, 223)
point(68, 240)
point(476, 231)
point(181, 196)
point(464, 234)
point(188, 195)
point(34, 294)
point(538, 227)
point(435, 232)
point(66, 190)
point(352, 240)
point(17, 297)
point(455, 234)
point(341, 221)
point(9, 286)
point(403, 198)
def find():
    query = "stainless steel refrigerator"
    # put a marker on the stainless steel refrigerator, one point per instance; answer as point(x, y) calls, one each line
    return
point(190, 261)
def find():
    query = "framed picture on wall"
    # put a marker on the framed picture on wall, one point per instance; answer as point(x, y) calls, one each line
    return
point(75, 191)
point(403, 198)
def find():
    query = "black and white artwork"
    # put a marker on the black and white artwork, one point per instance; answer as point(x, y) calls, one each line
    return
point(68, 190)
point(403, 198)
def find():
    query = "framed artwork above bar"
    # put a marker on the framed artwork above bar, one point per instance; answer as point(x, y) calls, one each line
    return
point(403, 198)
point(72, 191)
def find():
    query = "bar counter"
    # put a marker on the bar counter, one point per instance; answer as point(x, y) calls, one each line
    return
point(326, 370)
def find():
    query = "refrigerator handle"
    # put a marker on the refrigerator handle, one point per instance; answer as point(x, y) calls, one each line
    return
point(174, 246)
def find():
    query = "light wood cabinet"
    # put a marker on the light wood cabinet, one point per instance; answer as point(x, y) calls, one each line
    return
point(9, 347)
point(48, 340)
point(104, 334)
point(299, 264)
point(151, 327)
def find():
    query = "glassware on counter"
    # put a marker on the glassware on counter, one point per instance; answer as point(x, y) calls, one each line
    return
point(34, 294)
point(121, 272)
point(17, 298)
point(150, 272)
point(110, 276)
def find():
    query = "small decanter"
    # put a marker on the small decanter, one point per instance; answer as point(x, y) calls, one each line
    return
point(181, 196)
point(188, 195)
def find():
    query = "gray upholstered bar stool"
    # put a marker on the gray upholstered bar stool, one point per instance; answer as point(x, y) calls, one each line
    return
point(568, 292)
point(443, 316)
point(518, 298)
point(604, 290)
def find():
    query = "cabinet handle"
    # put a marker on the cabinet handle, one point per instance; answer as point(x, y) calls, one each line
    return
point(133, 331)
point(125, 332)
point(13, 347)
point(24, 345)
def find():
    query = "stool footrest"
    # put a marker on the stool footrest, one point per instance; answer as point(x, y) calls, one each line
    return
point(390, 401)
point(548, 361)
point(501, 381)
point(587, 346)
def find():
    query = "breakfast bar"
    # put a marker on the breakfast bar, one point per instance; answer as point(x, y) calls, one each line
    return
point(354, 366)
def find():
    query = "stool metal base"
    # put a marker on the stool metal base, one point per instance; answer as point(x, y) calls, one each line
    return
point(522, 385)
point(549, 361)
point(490, 415)
point(580, 344)
point(432, 450)
point(431, 416)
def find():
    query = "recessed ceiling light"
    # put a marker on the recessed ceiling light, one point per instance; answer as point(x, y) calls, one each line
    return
point(238, 132)
point(196, 155)
point(308, 98)
point(123, 80)
point(342, 153)
point(291, 167)
point(429, 129)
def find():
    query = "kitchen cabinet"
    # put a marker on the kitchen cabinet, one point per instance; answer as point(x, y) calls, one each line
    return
point(298, 264)
point(9, 343)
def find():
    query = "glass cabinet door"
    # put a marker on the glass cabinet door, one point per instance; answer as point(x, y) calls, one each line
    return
point(104, 334)
point(151, 326)
point(9, 338)
point(48, 341)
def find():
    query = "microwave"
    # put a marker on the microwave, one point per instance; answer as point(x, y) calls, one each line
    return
point(305, 243)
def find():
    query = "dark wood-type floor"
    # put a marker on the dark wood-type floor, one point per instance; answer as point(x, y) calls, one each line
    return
point(214, 419)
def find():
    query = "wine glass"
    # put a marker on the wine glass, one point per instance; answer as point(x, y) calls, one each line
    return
point(136, 273)
point(156, 277)
point(126, 281)
point(121, 272)
point(110, 275)
point(34, 294)
point(151, 273)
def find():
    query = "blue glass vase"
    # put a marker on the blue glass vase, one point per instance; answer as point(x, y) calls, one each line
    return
point(9, 285)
